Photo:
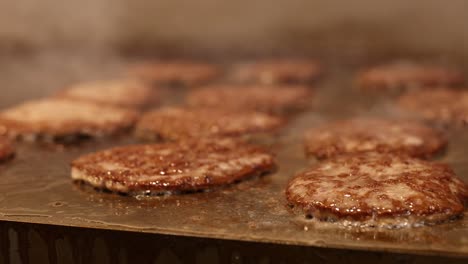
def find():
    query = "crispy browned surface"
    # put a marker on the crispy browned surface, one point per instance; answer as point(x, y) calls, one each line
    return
point(56, 118)
point(185, 73)
point(404, 74)
point(378, 187)
point(174, 123)
point(373, 135)
point(272, 99)
point(182, 166)
point(440, 105)
point(6, 149)
point(278, 71)
point(124, 92)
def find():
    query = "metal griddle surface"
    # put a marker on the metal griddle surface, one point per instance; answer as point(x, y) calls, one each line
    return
point(36, 187)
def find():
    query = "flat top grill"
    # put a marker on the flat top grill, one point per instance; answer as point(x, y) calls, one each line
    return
point(36, 187)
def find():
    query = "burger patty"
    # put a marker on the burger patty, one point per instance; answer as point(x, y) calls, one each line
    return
point(278, 71)
point(6, 149)
point(173, 123)
point(404, 74)
point(172, 167)
point(373, 135)
point(54, 119)
point(186, 73)
point(272, 99)
point(440, 105)
point(127, 93)
point(378, 190)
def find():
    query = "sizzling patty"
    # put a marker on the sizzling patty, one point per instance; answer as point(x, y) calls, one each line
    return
point(6, 149)
point(378, 190)
point(440, 105)
point(405, 74)
point(373, 135)
point(173, 123)
point(127, 92)
point(272, 99)
point(51, 119)
point(186, 73)
point(172, 167)
point(278, 71)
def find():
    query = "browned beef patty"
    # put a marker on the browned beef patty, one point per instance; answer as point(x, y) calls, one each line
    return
point(278, 71)
point(359, 135)
point(125, 93)
point(172, 167)
point(180, 123)
point(186, 73)
point(50, 119)
point(273, 99)
point(403, 74)
point(440, 105)
point(378, 190)
point(6, 149)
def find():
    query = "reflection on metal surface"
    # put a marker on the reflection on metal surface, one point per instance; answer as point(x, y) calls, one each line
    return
point(36, 188)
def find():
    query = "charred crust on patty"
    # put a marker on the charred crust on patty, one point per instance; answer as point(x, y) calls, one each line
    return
point(378, 190)
point(172, 167)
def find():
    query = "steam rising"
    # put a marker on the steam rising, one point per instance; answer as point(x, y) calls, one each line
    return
point(248, 24)
point(84, 24)
point(70, 40)
point(47, 45)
